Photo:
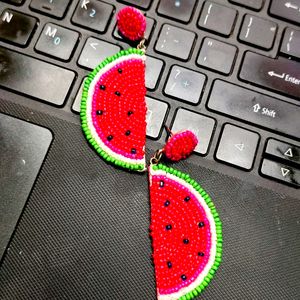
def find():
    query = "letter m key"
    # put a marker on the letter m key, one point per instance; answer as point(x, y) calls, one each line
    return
point(51, 31)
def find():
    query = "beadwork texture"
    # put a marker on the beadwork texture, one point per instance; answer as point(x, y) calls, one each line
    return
point(113, 109)
point(131, 23)
point(180, 145)
point(186, 234)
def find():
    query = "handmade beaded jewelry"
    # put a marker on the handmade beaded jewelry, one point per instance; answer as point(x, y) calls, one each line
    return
point(180, 145)
point(113, 106)
point(185, 227)
point(131, 23)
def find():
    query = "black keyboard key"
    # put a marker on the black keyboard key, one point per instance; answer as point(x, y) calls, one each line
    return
point(156, 115)
point(95, 51)
point(175, 42)
point(16, 28)
point(258, 32)
point(217, 18)
point(288, 10)
point(180, 10)
point(184, 84)
point(289, 153)
point(144, 4)
point(217, 56)
point(256, 108)
point(253, 4)
point(57, 41)
point(15, 2)
point(93, 15)
point(281, 172)
point(290, 45)
point(237, 146)
point(282, 75)
point(202, 126)
point(33, 77)
point(50, 7)
point(154, 68)
point(149, 28)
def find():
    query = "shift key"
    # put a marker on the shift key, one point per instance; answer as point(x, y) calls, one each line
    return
point(35, 78)
point(252, 107)
point(281, 75)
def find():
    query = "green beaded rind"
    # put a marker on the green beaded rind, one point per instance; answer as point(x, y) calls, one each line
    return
point(83, 112)
point(218, 259)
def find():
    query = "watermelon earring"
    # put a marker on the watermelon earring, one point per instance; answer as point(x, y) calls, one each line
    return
point(185, 227)
point(113, 106)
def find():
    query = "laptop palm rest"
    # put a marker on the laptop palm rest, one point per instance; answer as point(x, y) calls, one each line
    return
point(23, 147)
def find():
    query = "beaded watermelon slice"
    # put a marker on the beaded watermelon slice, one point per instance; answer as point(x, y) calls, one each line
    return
point(113, 109)
point(186, 234)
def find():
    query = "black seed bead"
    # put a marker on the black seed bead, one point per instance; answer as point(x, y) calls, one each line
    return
point(120, 71)
point(102, 87)
point(110, 137)
point(201, 224)
point(118, 93)
point(127, 132)
point(183, 277)
point(187, 199)
point(99, 112)
point(200, 254)
point(169, 227)
point(133, 151)
point(169, 264)
point(130, 113)
point(186, 241)
point(167, 203)
point(161, 183)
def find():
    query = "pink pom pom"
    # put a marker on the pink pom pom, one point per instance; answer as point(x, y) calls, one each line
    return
point(131, 23)
point(180, 145)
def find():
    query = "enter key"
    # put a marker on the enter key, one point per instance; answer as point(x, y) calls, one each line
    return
point(282, 75)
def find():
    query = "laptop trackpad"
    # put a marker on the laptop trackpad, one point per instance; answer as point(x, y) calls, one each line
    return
point(23, 147)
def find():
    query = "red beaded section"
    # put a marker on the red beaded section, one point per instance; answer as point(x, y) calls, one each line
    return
point(131, 23)
point(180, 145)
point(119, 108)
point(180, 232)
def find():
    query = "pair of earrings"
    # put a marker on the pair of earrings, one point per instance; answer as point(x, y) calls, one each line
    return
point(185, 227)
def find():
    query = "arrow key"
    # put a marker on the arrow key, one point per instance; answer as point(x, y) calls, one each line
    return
point(280, 172)
point(281, 150)
point(237, 146)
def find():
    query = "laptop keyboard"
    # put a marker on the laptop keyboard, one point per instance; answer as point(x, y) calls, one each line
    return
point(195, 69)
